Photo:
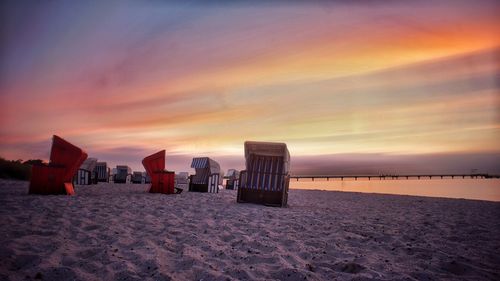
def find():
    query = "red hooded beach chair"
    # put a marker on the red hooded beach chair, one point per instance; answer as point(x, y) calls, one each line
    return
point(57, 176)
point(162, 181)
point(266, 178)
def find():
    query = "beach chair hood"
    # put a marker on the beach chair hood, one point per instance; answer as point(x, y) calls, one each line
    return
point(89, 164)
point(154, 162)
point(205, 163)
point(162, 181)
point(67, 155)
point(268, 149)
point(232, 173)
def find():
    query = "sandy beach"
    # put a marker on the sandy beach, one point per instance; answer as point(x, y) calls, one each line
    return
point(121, 232)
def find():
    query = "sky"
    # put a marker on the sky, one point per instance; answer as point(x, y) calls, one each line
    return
point(349, 86)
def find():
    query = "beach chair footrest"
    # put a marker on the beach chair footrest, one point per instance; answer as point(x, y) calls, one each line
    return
point(264, 197)
point(198, 187)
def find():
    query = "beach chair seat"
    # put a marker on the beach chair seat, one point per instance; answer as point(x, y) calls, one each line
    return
point(162, 181)
point(56, 177)
point(266, 178)
point(207, 175)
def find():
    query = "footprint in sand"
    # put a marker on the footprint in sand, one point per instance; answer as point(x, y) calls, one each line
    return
point(454, 267)
point(57, 273)
point(349, 267)
point(289, 274)
point(22, 261)
point(91, 227)
point(127, 275)
point(85, 254)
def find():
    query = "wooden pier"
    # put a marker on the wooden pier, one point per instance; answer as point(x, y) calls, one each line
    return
point(396, 177)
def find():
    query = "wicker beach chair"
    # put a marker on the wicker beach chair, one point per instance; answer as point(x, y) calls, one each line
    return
point(137, 177)
point(86, 173)
point(122, 174)
point(162, 181)
point(266, 178)
point(232, 179)
point(103, 171)
point(207, 175)
point(56, 177)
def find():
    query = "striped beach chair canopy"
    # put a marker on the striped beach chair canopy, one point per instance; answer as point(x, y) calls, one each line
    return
point(206, 163)
point(268, 149)
point(89, 164)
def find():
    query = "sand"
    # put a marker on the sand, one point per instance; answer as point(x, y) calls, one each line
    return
point(121, 232)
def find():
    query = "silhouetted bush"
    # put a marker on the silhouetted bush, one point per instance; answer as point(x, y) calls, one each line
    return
point(16, 169)
point(34, 162)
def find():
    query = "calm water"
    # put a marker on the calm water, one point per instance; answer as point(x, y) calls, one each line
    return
point(482, 189)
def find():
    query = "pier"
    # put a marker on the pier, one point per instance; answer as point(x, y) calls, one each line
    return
point(396, 177)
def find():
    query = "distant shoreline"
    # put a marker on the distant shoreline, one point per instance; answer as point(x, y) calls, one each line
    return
point(478, 189)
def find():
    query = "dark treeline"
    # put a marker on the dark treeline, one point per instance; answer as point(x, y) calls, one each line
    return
point(17, 169)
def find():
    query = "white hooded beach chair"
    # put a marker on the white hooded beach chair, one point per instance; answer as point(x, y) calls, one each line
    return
point(207, 175)
point(103, 171)
point(86, 174)
point(232, 179)
point(267, 175)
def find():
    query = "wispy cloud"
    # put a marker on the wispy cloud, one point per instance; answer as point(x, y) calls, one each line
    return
point(196, 78)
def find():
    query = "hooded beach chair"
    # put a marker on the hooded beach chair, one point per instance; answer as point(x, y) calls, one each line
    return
point(123, 174)
point(102, 171)
point(57, 176)
point(86, 173)
point(137, 177)
point(266, 178)
point(162, 181)
point(232, 179)
point(207, 175)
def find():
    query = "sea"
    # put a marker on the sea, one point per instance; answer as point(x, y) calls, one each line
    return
point(477, 189)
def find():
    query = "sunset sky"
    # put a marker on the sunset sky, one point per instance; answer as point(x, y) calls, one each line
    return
point(350, 86)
